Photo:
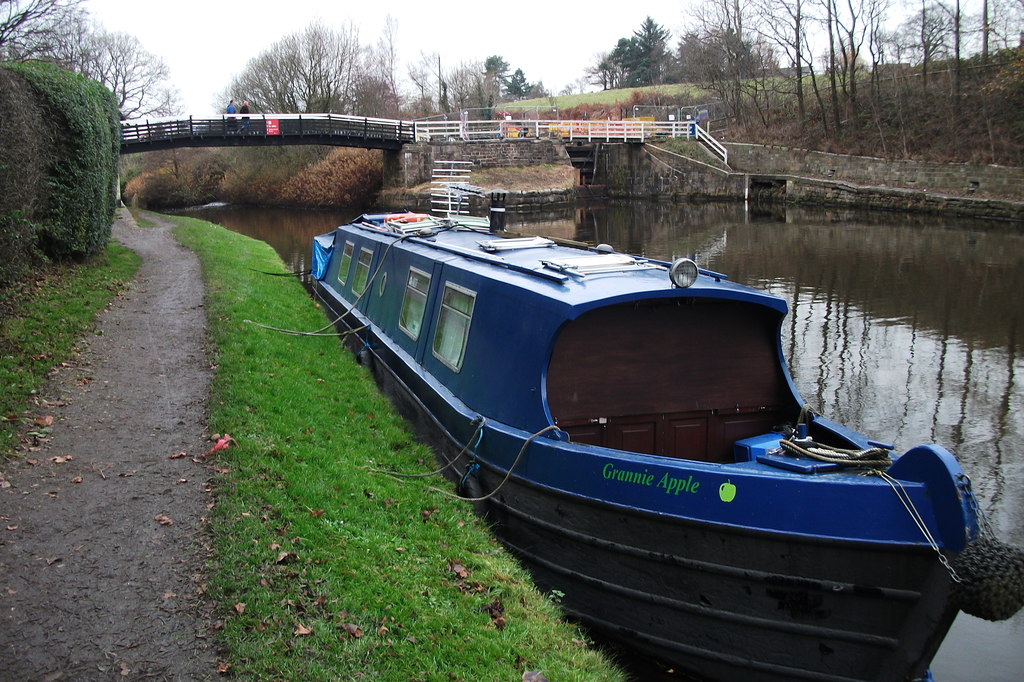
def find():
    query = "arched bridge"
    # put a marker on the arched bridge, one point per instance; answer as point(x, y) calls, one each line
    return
point(265, 130)
point(381, 133)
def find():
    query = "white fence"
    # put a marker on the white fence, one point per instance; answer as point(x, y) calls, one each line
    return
point(390, 131)
point(568, 130)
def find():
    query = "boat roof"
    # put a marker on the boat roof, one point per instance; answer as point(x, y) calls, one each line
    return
point(568, 272)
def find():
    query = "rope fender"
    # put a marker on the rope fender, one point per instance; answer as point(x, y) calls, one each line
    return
point(991, 579)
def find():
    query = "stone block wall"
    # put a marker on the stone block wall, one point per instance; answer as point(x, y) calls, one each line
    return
point(957, 178)
point(413, 164)
point(637, 171)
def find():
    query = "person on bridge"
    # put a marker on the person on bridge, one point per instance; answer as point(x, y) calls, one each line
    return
point(245, 119)
point(231, 110)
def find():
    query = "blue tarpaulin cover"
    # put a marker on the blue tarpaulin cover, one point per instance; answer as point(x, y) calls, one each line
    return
point(322, 246)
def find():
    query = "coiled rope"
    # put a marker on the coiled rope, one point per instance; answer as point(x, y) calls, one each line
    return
point(872, 458)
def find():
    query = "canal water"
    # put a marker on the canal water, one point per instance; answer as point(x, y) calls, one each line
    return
point(907, 328)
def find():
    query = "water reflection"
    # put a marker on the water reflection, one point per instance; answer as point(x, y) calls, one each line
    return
point(904, 327)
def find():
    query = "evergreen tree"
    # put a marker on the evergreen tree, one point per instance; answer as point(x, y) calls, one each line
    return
point(517, 87)
point(649, 54)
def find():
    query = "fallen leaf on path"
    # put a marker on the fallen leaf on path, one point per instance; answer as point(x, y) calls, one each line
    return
point(223, 443)
point(301, 630)
point(239, 608)
point(76, 479)
point(61, 459)
point(496, 610)
point(163, 520)
point(223, 668)
point(458, 569)
point(44, 421)
point(352, 630)
point(177, 455)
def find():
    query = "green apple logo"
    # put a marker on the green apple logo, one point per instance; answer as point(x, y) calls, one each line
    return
point(727, 492)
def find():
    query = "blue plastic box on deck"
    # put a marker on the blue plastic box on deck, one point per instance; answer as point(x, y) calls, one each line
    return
point(749, 449)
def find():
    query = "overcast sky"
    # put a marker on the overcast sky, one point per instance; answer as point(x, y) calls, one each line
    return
point(207, 42)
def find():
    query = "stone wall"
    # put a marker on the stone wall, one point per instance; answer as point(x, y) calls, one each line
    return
point(413, 164)
point(646, 171)
point(835, 193)
point(638, 171)
point(956, 178)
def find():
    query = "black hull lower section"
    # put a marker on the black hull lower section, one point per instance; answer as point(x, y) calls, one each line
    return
point(681, 593)
point(722, 603)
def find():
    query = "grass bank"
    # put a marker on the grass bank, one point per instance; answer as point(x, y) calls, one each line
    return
point(324, 569)
point(42, 319)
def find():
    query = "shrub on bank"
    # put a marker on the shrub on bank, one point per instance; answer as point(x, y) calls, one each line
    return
point(74, 143)
point(306, 177)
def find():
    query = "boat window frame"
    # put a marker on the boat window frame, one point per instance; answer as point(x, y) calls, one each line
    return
point(414, 334)
point(442, 325)
point(346, 262)
point(358, 287)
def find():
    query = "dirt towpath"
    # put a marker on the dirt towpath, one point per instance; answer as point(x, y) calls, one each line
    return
point(102, 540)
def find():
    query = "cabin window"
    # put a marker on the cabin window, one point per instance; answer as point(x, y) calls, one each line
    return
point(414, 303)
point(346, 262)
point(453, 325)
point(362, 275)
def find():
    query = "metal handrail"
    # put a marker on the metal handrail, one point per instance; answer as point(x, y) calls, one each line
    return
point(395, 131)
point(584, 130)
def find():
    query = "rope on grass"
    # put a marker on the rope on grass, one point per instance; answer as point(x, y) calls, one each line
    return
point(508, 474)
point(473, 441)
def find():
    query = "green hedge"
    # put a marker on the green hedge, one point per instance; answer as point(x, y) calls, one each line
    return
point(78, 139)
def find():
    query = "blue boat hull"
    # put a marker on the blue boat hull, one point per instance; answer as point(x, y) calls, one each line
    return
point(719, 599)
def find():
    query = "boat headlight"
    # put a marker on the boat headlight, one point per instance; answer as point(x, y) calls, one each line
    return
point(683, 272)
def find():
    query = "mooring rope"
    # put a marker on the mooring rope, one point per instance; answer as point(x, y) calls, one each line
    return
point(290, 273)
point(339, 318)
point(874, 458)
point(474, 442)
point(508, 475)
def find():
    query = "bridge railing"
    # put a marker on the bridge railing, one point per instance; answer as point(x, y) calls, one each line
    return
point(590, 131)
point(285, 125)
point(384, 133)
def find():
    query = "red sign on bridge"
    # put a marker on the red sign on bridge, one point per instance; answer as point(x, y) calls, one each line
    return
point(273, 127)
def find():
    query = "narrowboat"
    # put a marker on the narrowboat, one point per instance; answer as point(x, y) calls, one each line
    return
point(632, 431)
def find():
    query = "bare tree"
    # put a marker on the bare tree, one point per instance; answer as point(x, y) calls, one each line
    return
point(28, 27)
point(784, 23)
point(421, 75)
point(1004, 23)
point(725, 56)
point(138, 79)
point(310, 71)
point(376, 83)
